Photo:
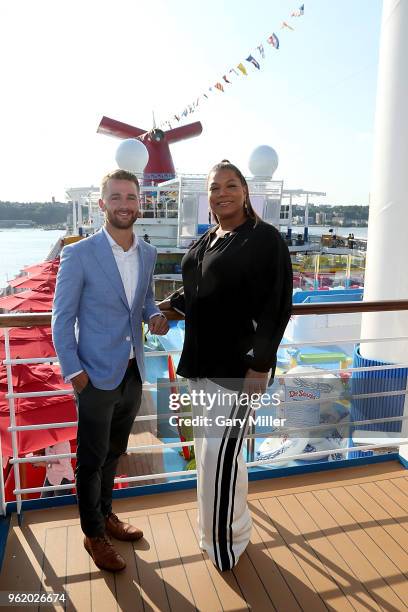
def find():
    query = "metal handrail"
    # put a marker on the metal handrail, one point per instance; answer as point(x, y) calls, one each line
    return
point(44, 319)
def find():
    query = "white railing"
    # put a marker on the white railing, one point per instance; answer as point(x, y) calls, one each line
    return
point(14, 428)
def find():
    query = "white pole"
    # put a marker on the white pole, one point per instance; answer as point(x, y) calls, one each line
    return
point(2, 489)
point(74, 218)
point(14, 434)
point(386, 274)
point(307, 211)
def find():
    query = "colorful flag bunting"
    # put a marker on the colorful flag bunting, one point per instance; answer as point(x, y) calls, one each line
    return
point(242, 68)
point(261, 50)
point(253, 61)
point(299, 12)
point(274, 40)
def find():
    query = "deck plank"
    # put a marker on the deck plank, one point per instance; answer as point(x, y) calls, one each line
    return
point(375, 560)
point(78, 571)
point(284, 558)
point(149, 572)
point(382, 551)
point(53, 577)
point(269, 573)
point(333, 563)
point(395, 493)
point(199, 579)
point(174, 576)
point(127, 583)
point(319, 579)
point(23, 559)
point(251, 586)
point(399, 515)
point(358, 566)
point(225, 583)
point(388, 535)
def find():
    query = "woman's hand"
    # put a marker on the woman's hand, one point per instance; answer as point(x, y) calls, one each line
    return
point(255, 382)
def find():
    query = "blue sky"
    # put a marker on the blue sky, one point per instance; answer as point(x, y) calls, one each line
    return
point(65, 64)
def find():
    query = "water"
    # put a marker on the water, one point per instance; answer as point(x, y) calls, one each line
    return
point(318, 230)
point(23, 247)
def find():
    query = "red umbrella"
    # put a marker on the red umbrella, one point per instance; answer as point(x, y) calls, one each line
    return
point(35, 281)
point(28, 342)
point(28, 301)
point(36, 410)
point(45, 266)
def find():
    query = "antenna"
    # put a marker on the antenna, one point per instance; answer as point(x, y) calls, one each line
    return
point(154, 121)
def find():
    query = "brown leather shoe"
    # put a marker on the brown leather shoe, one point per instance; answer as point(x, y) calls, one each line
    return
point(120, 530)
point(103, 554)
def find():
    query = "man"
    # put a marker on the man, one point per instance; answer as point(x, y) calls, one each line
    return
point(104, 290)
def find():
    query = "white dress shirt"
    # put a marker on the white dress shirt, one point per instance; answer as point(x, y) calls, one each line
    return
point(128, 266)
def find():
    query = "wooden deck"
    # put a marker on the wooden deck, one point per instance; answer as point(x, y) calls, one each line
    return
point(334, 540)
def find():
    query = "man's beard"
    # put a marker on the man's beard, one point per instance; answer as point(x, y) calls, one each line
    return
point(119, 223)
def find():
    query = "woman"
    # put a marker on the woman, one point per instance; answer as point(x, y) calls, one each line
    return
point(237, 300)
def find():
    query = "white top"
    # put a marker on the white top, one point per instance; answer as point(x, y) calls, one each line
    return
point(128, 266)
point(57, 469)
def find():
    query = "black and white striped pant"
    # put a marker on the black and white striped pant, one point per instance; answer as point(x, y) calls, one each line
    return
point(222, 478)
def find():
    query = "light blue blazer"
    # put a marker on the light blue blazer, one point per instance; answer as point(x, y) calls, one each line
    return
point(92, 324)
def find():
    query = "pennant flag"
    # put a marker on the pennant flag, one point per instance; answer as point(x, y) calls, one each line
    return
point(253, 61)
point(299, 12)
point(242, 68)
point(261, 50)
point(274, 40)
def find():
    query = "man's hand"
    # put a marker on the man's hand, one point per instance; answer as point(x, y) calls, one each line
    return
point(255, 382)
point(158, 325)
point(80, 381)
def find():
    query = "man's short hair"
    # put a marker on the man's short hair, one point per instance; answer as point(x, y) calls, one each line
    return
point(120, 175)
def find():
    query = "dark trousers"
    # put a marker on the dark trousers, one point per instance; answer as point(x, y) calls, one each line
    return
point(105, 419)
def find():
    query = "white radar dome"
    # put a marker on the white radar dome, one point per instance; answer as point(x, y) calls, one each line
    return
point(263, 161)
point(132, 155)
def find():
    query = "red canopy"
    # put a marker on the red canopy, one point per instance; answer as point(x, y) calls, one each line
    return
point(45, 266)
point(32, 282)
point(28, 301)
point(28, 342)
point(36, 410)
